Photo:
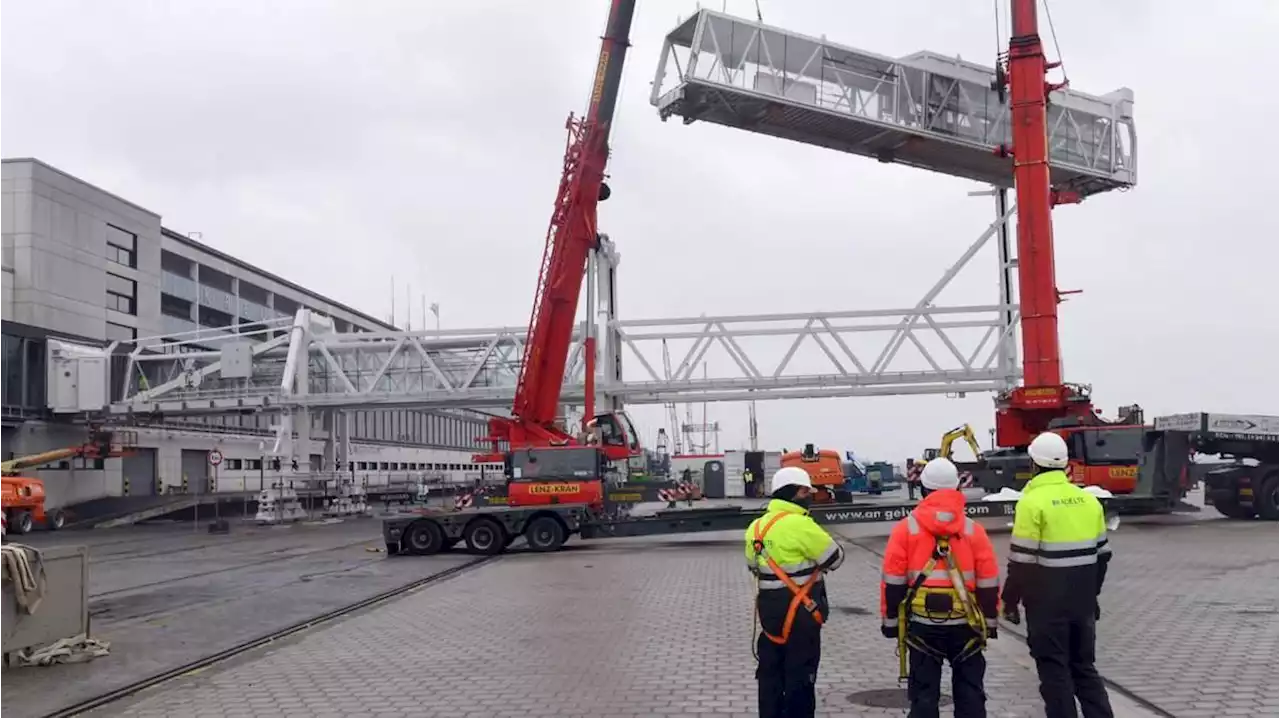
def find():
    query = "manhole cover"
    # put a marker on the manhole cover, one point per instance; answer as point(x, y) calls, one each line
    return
point(853, 610)
point(888, 698)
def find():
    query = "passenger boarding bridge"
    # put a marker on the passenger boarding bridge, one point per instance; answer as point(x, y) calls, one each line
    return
point(925, 110)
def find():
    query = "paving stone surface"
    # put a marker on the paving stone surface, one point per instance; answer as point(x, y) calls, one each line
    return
point(653, 627)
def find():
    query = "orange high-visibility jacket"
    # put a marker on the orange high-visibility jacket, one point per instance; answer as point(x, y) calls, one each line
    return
point(911, 546)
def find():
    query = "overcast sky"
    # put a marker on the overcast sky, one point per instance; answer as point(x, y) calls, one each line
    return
point(340, 144)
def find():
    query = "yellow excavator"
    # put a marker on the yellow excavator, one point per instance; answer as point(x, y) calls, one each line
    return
point(948, 439)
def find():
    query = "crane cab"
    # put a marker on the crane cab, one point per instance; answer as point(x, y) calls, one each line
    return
point(615, 435)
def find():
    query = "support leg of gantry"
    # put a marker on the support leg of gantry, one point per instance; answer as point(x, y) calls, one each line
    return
point(1007, 354)
point(609, 338)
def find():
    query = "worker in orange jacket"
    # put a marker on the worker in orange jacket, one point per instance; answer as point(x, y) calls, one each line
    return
point(940, 596)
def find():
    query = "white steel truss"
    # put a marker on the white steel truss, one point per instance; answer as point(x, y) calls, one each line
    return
point(307, 365)
point(925, 110)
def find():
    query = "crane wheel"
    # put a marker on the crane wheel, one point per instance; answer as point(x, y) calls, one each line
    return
point(485, 537)
point(1267, 497)
point(424, 538)
point(545, 534)
point(56, 520)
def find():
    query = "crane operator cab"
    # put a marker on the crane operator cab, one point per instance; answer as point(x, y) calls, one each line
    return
point(615, 435)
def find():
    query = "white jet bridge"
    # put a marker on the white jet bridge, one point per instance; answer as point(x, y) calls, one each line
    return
point(304, 364)
point(926, 110)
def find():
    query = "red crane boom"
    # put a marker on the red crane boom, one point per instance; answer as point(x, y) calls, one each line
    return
point(1043, 397)
point(570, 237)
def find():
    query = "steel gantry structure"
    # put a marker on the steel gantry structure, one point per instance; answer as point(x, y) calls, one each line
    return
point(925, 110)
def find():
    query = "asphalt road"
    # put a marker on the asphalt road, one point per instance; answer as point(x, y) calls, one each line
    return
point(165, 595)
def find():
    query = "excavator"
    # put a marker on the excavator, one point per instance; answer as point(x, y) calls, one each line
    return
point(948, 439)
point(23, 497)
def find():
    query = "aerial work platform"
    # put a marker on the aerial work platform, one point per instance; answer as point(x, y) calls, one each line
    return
point(926, 110)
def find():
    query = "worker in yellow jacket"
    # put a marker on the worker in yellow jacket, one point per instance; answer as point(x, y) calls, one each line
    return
point(1058, 561)
point(787, 552)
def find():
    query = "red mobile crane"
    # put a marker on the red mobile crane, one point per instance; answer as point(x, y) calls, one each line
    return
point(1043, 399)
point(570, 237)
point(1021, 414)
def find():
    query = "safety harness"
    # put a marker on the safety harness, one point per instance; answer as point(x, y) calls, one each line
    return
point(799, 594)
point(938, 605)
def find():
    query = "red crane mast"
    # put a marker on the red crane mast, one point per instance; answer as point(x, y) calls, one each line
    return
point(1043, 397)
point(570, 238)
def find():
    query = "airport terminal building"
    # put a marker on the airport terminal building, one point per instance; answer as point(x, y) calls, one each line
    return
point(83, 265)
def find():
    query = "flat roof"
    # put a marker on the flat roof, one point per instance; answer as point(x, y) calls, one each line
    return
point(202, 247)
point(199, 246)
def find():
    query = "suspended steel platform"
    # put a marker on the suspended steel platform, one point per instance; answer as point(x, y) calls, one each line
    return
point(925, 110)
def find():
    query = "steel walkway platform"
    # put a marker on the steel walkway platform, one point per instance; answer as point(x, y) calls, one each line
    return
point(926, 110)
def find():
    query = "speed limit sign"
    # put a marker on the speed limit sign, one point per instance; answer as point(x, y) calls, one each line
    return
point(215, 457)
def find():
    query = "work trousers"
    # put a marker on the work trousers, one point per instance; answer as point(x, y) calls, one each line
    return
point(787, 673)
point(1062, 645)
point(925, 683)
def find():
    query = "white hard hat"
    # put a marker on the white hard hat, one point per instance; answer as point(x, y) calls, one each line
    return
point(790, 476)
point(1048, 451)
point(940, 474)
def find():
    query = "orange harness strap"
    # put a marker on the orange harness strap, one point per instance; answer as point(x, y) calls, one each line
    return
point(800, 594)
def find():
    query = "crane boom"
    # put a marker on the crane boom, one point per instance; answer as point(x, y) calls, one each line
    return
point(1043, 397)
point(571, 235)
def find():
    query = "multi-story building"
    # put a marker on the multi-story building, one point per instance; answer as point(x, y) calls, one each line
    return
point(83, 265)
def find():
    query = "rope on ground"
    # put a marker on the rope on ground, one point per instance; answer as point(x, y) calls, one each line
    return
point(76, 649)
point(24, 568)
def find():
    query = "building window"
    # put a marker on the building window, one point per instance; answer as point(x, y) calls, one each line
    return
point(121, 333)
point(122, 294)
point(122, 247)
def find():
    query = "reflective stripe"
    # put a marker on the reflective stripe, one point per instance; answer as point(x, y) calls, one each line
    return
point(1021, 542)
point(830, 551)
point(1053, 546)
point(946, 517)
point(939, 622)
point(792, 569)
point(989, 582)
point(889, 622)
point(892, 580)
point(940, 574)
point(1065, 561)
point(913, 526)
point(1017, 557)
point(1104, 548)
point(771, 582)
point(968, 527)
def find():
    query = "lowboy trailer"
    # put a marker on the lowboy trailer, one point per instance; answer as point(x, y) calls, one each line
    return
point(1162, 484)
point(491, 529)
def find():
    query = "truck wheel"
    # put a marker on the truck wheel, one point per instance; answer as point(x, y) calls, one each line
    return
point(56, 520)
point(1267, 499)
point(485, 537)
point(21, 521)
point(424, 538)
point(544, 534)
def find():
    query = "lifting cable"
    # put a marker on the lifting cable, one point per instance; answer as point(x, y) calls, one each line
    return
point(1053, 33)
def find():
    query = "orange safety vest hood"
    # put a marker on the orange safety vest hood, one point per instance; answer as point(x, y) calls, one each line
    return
point(911, 548)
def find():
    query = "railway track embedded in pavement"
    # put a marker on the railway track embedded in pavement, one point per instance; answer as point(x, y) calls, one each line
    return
point(119, 694)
